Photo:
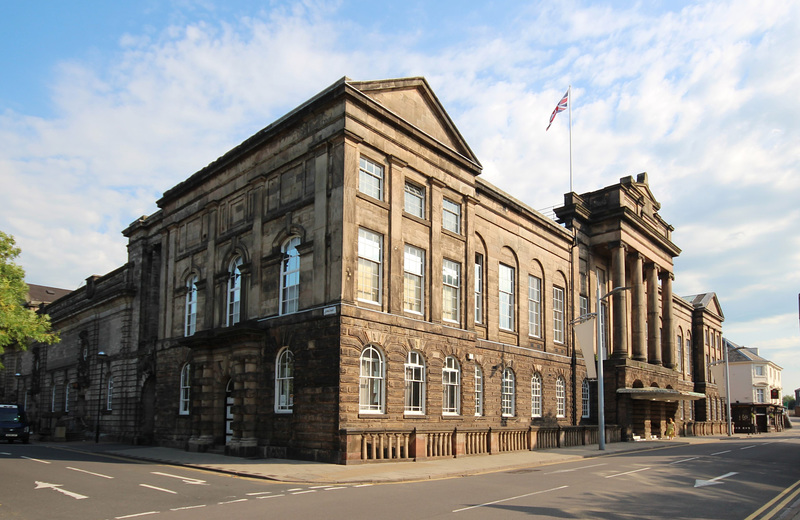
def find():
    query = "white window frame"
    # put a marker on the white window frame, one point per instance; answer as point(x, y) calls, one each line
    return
point(451, 216)
point(758, 370)
point(290, 276)
point(190, 322)
point(372, 381)
point(370, 266)
point(506, 286)
point(414, 402)
point(586, 401)
point(370, 178)
point(558, 314)
point(536, 395)
point(185, 394)
point(414, 200)
point(451, 291)
point(284, 381)
point(761, 395)
point(508, 393)
point(234, 299)
point(478, 288)
point(451, 387)
point(478, 391)
point(414, 279)
point(534, 306)
point(66, 396)
point(561, 397)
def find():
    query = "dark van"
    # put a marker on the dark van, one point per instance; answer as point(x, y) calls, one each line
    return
point(13, 424)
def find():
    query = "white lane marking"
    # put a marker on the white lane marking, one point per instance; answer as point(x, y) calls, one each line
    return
point(36, 460)
point(316, 487)
point(89, 472)
point(574, 469)
point(304, 492)
point(507, 499)
point(363, 485)
point(293, 489)
point(627, 473)
point(721, 452)
point(713, 481)
point(259, 493)
point(57, 487)
point(159, 489)
point(186, 480)
point(137, 514)
point(271, 496)
point(337, 487)
point(684, 460)
point(232, 501)
point(748, 447)
point(4, 453)
point(187, 507)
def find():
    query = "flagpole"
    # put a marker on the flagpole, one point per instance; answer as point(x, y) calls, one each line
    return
point(569, 105)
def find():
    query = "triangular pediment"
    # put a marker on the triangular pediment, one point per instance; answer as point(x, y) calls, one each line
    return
point(412, 100)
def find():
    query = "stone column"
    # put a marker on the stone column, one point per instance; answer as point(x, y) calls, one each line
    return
point(667, 336)
point(395, 187)
point(619, 302)
point(638, 308)
point(653, 325)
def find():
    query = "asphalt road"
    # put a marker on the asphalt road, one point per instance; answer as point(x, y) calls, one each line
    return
point(731, 479)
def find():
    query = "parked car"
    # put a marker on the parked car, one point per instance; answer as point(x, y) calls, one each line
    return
point(14, 424)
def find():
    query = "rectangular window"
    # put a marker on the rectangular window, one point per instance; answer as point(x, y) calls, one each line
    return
point(558, 314)
point(190, 325)
point(506, 299)
point(370, 254)
point(451, 216)
point(414, 267)
point(583, 303)
point(415, 200)
point(759, 370)
point(535, 306)
point(478, 288)
point(370, 178)
point(66, 396)
point(760, 395)
point(451, 290)
point(478, 391)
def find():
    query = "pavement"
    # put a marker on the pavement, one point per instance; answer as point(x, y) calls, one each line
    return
point(297, 471)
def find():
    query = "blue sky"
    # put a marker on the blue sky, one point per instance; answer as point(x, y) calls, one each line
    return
point(105, 105)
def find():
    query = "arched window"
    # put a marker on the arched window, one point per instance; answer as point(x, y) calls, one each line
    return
point(536, 395)
point(372, 393)
point(451, 386)
point(508, 397)
point(185, 391)
point(290, 276)
point(586, 406)
point(688, 365)
point(415, 384)
point(234, 291)
point(284, 381)
point(478, 391)
point(679, 353)
point(190, 324)
point(110, 392)
point(561, 397)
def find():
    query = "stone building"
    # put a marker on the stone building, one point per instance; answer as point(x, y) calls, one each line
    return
point(343, 286)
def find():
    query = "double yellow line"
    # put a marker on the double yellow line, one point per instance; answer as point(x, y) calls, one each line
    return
point(778, 503)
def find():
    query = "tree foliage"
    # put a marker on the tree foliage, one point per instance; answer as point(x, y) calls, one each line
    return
point(789, 402)
point(19, 325)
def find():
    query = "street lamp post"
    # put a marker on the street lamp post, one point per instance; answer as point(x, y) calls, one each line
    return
point(601, 410)
point(100, 356)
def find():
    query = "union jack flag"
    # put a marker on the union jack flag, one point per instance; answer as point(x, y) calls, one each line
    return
point(560, 107)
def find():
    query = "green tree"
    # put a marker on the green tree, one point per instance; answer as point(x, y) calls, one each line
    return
point(19, 325)
point(788, 402)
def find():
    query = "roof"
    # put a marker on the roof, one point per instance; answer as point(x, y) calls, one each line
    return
point(41, 294)
point(660, 394)
point(706, 301)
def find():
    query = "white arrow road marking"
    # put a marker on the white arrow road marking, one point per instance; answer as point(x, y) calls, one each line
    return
point(713, 481)
point(57, 487)
point(186, 480)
